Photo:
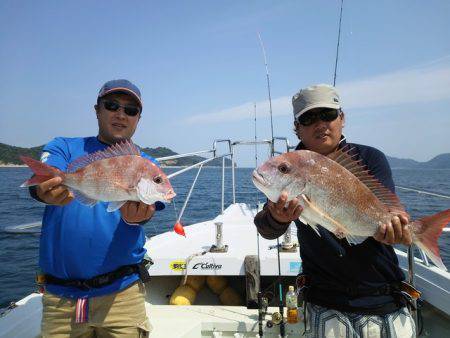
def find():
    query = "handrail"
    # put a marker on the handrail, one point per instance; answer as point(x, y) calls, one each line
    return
point(285, 139)
point(220, 141)
point(240, 143)
point(250, 143)
point(165, 158)
point(423, 192)
point(195, 165)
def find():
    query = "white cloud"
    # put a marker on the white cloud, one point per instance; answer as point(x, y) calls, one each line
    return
point(280, 106)
point(421, 84)
point(427, 83)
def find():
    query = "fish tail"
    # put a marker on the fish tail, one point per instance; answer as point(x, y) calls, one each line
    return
point(42, 172)
point(427, 231)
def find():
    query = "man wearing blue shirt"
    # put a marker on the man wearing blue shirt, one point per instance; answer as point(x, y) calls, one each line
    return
point(351, 290)
point(93, 260)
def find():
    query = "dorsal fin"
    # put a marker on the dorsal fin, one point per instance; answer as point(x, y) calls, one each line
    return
point(119, 149)
point(347, 158)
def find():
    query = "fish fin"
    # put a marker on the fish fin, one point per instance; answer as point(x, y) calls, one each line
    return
point(303, 220)
point(313, 225)
point(113, 206)
point(35, 180)
point(427, 231)
point(119, 149)
point(353, 239)
point(145, 191)
point(332, 225)
point(42, 171)
point(315, 228)
point(347, 158)
point(84, 199)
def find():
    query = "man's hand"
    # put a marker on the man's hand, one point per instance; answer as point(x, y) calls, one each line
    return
point(282, 213)
point(396, 231)
point(52, 192)
point(136, 212)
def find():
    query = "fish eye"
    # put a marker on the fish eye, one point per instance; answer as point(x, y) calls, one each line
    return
point(283, 168)
point(157, 180)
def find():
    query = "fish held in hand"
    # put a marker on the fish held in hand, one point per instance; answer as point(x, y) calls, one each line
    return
point(116, 175)
point(340, 194)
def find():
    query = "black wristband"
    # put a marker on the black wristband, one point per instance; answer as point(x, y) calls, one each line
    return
point(33, 193)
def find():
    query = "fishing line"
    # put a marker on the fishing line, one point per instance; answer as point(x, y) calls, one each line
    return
point(280, 288)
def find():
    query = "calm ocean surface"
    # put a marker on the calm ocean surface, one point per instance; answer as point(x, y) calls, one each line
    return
point(19, 252)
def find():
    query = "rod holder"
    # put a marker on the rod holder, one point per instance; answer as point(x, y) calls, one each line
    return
point(219, 246)
point(287, 245)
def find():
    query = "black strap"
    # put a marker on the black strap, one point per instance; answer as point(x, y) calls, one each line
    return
point(104, 279)
point(355, 291)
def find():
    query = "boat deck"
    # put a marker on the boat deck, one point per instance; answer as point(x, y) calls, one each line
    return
point(239, 233)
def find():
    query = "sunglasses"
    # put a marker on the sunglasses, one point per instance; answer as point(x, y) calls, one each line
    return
point(114, 106)
point(312, 117)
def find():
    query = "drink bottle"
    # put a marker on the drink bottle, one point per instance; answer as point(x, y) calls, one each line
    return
point(291, 304)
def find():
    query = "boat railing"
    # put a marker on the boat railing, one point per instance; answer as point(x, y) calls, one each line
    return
point(231, 154)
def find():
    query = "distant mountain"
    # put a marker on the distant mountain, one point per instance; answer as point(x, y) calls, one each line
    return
point(441, 161)
point(10, 155)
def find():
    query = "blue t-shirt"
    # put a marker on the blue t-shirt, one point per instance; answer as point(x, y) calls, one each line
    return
point(81, 242)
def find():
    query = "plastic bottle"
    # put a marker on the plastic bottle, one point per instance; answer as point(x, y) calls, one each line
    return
point(291, 304)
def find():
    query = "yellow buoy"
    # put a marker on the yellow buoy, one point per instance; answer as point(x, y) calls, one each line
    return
point(230, 297)
point(183, 295)
point(216, 283)
point(196, 282)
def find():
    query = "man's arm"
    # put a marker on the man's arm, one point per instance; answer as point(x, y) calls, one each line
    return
point(275, 218)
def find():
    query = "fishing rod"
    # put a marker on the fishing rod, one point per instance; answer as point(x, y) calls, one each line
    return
point(338, 43)
point(260, 310)
point(272, 150)
point(280, 287)
point(414, 310)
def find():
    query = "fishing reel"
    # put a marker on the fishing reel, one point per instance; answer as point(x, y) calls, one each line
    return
point(276, 320)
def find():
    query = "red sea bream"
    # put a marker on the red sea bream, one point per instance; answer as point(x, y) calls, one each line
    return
point(339, 193)
point(115, 175)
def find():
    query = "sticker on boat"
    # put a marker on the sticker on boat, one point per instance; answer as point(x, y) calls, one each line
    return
point(177, 265)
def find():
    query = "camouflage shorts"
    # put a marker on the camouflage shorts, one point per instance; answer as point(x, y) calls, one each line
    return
point(322, 322)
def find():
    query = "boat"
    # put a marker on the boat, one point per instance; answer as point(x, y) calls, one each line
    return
point(228, 248)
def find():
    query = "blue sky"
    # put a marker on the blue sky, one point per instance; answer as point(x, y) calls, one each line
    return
point(200, 68)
